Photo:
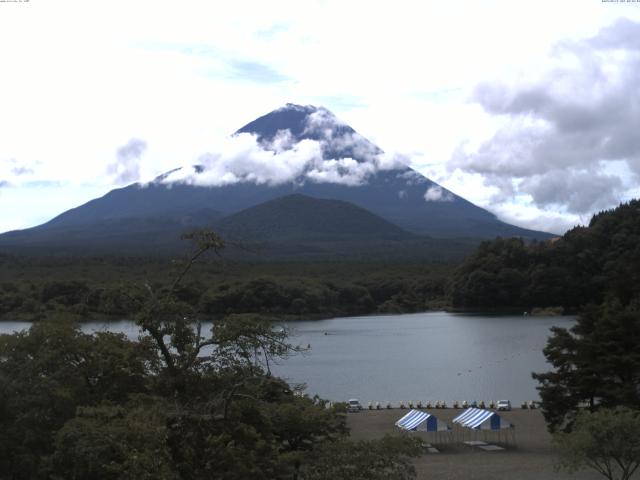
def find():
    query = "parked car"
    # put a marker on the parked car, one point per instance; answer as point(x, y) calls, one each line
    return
point(503, 405)
point(354, 405)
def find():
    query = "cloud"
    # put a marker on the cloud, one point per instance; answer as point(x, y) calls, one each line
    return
point(531, 217)
point(333, 153)
point(564, 132)
point(579, 191)
point(255, 72)
point(242, 158)
point(321, 122)
point(437, 194)
point(126, 168)
point(20, 170)
point(624, 34)
point(339, 141)
point(272, 31)
point(345, 171)
point(14, 172)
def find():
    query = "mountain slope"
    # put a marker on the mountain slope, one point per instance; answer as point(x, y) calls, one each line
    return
point(297, 226)
point(128, 235)
point(348, 168)
point(297, 217)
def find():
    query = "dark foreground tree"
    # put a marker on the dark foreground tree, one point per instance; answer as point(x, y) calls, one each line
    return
point(386, 459)
point(46, 373)
point(119, 442)
point(596, 364)
point(607, 441)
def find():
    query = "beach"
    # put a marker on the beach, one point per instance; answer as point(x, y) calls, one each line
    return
point(531, 456)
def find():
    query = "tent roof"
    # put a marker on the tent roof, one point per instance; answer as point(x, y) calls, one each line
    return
point(412, 419)
point(481, 419)
point(423, 421)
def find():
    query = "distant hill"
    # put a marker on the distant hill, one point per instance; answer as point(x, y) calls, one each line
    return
point(152, 216)
point(298, 217)
point(298, 226)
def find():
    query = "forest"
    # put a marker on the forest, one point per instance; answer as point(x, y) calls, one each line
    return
point(586, 265)
point(32, 288)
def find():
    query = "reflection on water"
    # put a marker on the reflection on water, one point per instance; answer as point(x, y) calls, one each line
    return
point(424, 356)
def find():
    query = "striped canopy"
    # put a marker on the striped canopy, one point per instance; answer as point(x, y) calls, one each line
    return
point(481, 420)
point(421, 421)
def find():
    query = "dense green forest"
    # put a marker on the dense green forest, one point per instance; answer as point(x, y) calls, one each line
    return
point(587, 265)
point(36, 287)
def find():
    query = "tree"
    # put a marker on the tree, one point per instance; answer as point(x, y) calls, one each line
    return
point(301, 423)
point(607, 441)
point(386, 459)
point(49, 371)
point(114, 442)
point(596, 363)
point(229, 416)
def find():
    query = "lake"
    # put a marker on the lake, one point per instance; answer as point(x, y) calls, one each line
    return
point(424, 356)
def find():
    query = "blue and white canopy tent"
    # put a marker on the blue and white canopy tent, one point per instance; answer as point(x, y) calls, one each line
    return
point(484, 420)
point(481, 420)
point(418, 421)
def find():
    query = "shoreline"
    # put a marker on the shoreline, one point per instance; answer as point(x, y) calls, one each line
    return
point(97, 317)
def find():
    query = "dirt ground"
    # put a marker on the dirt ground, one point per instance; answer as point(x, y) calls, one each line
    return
point(530, 457)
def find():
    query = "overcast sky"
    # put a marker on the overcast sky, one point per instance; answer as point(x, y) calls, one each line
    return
point(530, 109)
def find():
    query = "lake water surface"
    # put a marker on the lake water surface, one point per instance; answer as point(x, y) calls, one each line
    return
point(423, 356)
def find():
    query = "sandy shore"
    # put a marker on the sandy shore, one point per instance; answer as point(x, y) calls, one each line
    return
point(530, 457)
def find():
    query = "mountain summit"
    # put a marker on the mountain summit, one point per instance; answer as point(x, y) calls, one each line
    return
point(301, 121)
point(338, 140)
point(293, 150)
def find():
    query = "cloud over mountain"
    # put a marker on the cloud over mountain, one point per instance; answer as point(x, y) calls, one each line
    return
point(126, 168)
point(437, 194)
point(570, 137)
point(321, 150)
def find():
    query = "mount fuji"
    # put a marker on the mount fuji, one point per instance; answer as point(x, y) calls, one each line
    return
point(302, 154)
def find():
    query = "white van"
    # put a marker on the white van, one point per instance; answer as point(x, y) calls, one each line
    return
point(353, 405)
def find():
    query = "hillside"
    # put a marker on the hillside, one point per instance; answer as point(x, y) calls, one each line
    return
point(586, 265)
point(298, 217)
point(136, 235)
point(301, 227)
